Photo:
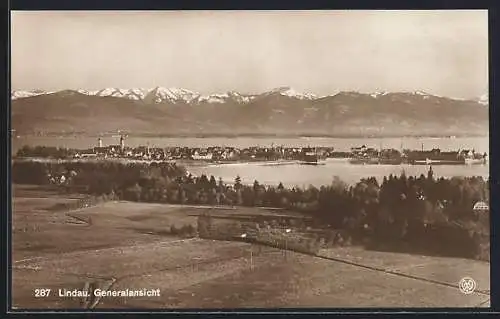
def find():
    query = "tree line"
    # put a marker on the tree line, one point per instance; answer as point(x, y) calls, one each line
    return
point(46, 152)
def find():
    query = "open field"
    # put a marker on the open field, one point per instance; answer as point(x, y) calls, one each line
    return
point(125, 245)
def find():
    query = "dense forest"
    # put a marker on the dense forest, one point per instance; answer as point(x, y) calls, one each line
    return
point(400, 208)
point(45, 152)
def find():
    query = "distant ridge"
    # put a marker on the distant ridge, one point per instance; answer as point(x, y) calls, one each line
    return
point(281, 111)
point(174, 95)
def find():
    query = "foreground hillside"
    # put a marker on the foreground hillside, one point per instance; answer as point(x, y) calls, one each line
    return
point(274, 112)
point(118, 246)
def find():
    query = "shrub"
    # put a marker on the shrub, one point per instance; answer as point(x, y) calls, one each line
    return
point(173, 230)
point(187, 230)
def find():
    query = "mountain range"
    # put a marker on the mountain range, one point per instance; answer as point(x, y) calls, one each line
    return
point(282, 111)
point(173, 95)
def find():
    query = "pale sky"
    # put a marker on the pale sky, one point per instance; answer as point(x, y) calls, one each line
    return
point(320, 52)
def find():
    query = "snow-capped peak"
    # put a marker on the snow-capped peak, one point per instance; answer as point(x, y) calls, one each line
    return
point(484, 99)
point(377, 94)
point(161, 94)
point(420, 93)
point(19, 94)
point(133, 94)
point(214, 98)
point(293, 93)
point(223, 97)
point(240, 98)
point(288, 91)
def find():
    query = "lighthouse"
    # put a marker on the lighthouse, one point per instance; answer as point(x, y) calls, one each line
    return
point(99, 142)
point(122, 143)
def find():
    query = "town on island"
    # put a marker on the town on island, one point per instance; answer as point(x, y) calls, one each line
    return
point(274, 153)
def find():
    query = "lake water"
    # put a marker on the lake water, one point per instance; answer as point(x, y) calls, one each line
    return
point(305, 175)
point(294, 174)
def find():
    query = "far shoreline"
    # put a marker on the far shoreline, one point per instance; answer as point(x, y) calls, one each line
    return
point(249, 135)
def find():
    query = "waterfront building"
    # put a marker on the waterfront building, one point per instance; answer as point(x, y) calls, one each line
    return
point(202, 155)
point(482, 212)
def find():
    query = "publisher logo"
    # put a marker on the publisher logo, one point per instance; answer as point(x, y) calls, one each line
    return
point(467, 285)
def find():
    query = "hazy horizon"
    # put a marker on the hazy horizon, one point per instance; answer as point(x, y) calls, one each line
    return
point(320, 52)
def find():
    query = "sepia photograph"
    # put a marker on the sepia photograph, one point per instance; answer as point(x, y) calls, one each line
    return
point(176, 160)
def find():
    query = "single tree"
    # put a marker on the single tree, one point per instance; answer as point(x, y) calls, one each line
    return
point(213, 183)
